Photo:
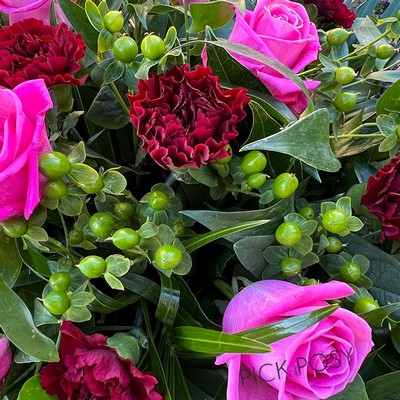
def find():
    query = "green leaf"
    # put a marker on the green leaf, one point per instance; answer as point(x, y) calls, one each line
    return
point(204, 175)
point(390, 100)
point(105, 110)
point(168, 302)
point(385, 76)
point(76, 15)
point(289, 326)
point(117, 264)
point(11, 261)
point(93, 15)
point(304, 246)
point(214, 14)
point(78, 154)
point(126, 346)
point(71, 205)
point(384, 387)
point(354, 391)
point(82, 174)
point(17, 324)
point(114, 282)
point(354, 224)
point(376, 317)
point(114, 182)
point(313, 129)
point(201, 240)
point(214, 220)
point(386, 124)
point(105, 42)
point(32, 389)
point(200, 340)
point(113, 72)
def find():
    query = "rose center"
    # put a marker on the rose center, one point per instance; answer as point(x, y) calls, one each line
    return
point(285, 14)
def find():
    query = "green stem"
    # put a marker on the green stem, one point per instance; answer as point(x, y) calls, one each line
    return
point(65, 228)
point(186, 19)
point(358, 128)
point(119, 98)
point(224, 288)
point(361, 48)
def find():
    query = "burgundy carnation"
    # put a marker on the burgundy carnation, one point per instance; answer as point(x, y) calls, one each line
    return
point(335, 10)
point(89, 369)
point(382, 198)
point(184, 118)
point(30, 50)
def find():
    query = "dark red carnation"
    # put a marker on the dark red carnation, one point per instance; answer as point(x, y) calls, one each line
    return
point(30, 50)
point(90, 370)
point(184, 118)
point(382, 198)
point(335, 10)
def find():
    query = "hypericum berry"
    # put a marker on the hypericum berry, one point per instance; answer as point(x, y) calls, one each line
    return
point(113, 21)
point(254, 161)
point(288, 234)
point(124, 210)
point(290, 267)
point(337, 36)
point(350, 272)
point(101, 224)
point(307, 212)
point(334, 246)
point(14, 227)
point(334, 221)
point(60, 281)
point(158, 200)
point(125, 238)
point(56, 302)
point(54, 164)
point(92, 266)
point(310, 282)
point(75, 237)
point(125, 49)
point(168, 256)
point(345, 101)
point(385, 51)
point(55, 189)
point(153, 47)
point(256, 180)
point(344, 75)
point(94, 187)
point(365, 304)
point(285, 185)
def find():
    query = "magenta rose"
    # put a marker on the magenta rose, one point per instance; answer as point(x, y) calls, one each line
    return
point(382, 198)
point(184, 118)
point(23, 138)
point(5, 357)
point(313, 364)
point(281, 30)
point(90, 370)
point(30, 49)
point(23, 9)
point(334, 10)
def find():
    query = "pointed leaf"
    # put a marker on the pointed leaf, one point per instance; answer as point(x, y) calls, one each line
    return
point(313, 129)
point(168, 302)
point(17, 324)
point(32, 389)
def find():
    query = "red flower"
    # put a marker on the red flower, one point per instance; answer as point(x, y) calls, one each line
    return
point(382, 198)
point(335, 10)
point(89, 369)
point(184, 118)
point(30, 49)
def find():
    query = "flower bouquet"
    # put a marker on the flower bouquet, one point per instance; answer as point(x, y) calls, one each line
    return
point(199, 199)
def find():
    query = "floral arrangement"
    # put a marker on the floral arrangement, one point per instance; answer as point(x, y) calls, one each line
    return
point(199, 199)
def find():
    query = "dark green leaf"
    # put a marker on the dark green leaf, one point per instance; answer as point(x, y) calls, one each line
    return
point(77, 17)
point(168, 302)
point(313, 130)
point(390, 100)
point(11, 261)
point(354, 391)
point(17, 324)
point(113, 72)
point(32, 389)
point(384, 387)
point(214, 14)
point(376, 317)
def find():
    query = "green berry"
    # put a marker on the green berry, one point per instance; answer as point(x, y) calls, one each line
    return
point(125, 49)
point(55, 189)
point(125, 238)
point(54, 164)
point(254, 161)
point(290, 267)
point(345, 101)
point(92, 266)
point(345, 75)
point(365, 304)
point(124, 210)
point(350, 272)
point(56, 302)
point(153, 47)
point(337, 36)
point(14, 227)
point(288, 234)
point(113, 21)
point(334, 221)
point(385, 51)
point(308, 213)
point(158, 200)
point(334, 246)
point(101, 224)
point(284, 185)
point(168, 256)
point(256, 180)
point(60, 281)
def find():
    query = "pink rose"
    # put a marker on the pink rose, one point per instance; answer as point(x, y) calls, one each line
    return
point(316, 363)
point(23, 139)
point(281, 30)
point(5, 357)
point(23, 9)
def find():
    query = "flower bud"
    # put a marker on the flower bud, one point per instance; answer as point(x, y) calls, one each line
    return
point(337, 36)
